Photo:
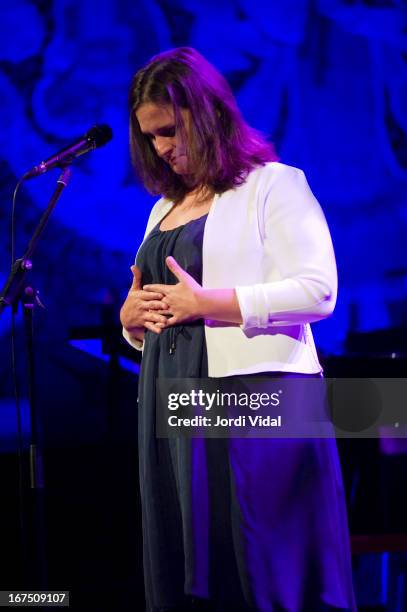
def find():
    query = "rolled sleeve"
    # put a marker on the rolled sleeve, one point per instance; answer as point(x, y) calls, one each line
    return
point(251, 308)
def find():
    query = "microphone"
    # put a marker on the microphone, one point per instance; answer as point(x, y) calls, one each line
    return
point(96, 137)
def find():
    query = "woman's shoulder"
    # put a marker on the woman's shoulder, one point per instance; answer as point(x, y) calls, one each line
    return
point(160, 205)
point(278, 179)
point(275, 171)
point(159, 210)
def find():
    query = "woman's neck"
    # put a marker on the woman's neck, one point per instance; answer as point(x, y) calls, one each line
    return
point(197, 196)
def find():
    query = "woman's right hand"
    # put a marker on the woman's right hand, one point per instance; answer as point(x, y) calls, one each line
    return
point(139, 310)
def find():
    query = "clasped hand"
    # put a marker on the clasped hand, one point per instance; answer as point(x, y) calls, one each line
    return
point(157, 306)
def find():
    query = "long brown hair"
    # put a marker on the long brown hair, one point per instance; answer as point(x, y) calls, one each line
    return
point(222, 147)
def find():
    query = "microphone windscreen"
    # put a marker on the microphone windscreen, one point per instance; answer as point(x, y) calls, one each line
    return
point(100, 134)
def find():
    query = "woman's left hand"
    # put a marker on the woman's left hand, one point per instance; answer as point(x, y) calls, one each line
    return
point(183, 299)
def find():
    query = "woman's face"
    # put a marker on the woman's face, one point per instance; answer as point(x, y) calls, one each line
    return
point(157, 122)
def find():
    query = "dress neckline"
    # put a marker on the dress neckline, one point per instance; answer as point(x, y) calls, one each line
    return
point(172, 229)
point(213, 203)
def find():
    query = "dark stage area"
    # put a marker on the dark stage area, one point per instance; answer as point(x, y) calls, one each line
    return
point(89, 507)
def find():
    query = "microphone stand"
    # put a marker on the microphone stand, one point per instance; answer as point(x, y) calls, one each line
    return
point(14, 291)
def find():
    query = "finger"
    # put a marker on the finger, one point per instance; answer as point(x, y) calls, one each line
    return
point(153, 317)
point(146, 296)
point(157, 305)
point(153, 327)
point(176, 269)
point(157, 288)
point(136, 284)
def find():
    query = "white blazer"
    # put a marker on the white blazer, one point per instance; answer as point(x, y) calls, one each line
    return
point(269, 239)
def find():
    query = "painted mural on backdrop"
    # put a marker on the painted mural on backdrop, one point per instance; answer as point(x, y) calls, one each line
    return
point(327, 81)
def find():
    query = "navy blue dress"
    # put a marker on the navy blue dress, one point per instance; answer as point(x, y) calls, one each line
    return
point(254, 524)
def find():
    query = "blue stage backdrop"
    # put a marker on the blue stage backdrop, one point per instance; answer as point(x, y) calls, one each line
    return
point(325, 80)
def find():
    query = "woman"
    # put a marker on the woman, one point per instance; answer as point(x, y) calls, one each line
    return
point(236, 262)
